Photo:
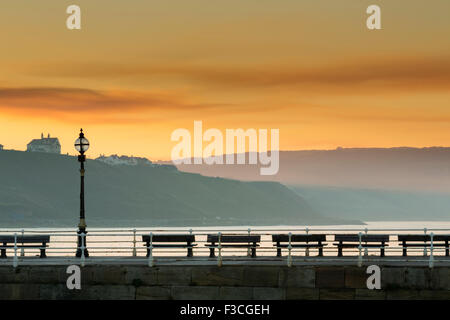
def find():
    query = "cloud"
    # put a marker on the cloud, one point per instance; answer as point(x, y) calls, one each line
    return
point(396, 73)
point(113, 105)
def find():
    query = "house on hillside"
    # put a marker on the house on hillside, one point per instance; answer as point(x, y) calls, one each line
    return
point(115, 160)
point(48, 145)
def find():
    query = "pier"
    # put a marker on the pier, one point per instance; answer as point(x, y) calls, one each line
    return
point(121, 265)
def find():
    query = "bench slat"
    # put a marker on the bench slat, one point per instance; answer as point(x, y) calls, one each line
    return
point(356, 245)
point(169, 238)
point(423, 237)
point(306, 245)
point(24, 239)
point(299, 237)
point(424, 245)
point(172, 246)
point(233, 238)
point(364, 237)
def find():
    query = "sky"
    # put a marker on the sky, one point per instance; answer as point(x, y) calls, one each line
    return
point(138, 70)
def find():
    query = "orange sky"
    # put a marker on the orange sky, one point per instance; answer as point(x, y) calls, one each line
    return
point(140, 69)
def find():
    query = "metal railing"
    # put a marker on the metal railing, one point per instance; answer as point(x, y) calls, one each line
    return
point(121, 243)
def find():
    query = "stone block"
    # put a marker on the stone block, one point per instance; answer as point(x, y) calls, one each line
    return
point(393, 278)
point(48, 274)
point(440, 278)
point(108, 275)
point(402, 294)
point(366, 294)
point(434, 294)
point(104, 292)
point(55, 292)
point(297, 277)
point(19, 291)
point(261, 276)
point(174, 275)
point(14, 275)
point(141, 276)
point(356, 278)
point(336, 294)
point(236, 293)
point(418, 278)
point(330, 277)
point(302, 294)
point(153, 293)
point(194, 293)
point(264, 293)
point(218, 276)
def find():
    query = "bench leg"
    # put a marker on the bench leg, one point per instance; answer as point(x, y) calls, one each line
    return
point(254, 250)
point(382, 250)
point(340, 249)
point(3, 255)
point(189, 251)
point(405, 253)
point(278, 250)
point(320, 250)
point(148, 249)
point(43, 255)
point(211, 253)
point(446, 249)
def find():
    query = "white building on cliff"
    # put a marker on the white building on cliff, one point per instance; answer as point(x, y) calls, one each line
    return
point(48, 145)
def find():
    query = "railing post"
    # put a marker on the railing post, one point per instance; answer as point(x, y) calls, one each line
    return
point(22, 250)
point(83, 258)
point(219, 256)
point(15, 260)
point(366, 249)
point(190, 250)
point(307, 249)
point(431, 263)
point(151, 262)
point(360, 250)
point(289, 261)
point(248, 249)
point(425, 242)
point(134, 242)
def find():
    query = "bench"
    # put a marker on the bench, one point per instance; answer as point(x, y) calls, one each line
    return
point(171, 241)
point(367, 241)
point(26, 241)
point(306, 240)
point(425, 241)
point(233, 241)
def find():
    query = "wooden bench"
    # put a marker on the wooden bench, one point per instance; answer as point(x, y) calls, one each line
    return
point(172, 241)
point(26, 241)
point(306, 240)
point(367, 241)
point(425, 241)
point(233, 241)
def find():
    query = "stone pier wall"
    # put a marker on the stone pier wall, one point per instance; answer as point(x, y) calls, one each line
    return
point(226, 282)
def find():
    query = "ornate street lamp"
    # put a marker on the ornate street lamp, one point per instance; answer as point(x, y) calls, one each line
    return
point(82, 145)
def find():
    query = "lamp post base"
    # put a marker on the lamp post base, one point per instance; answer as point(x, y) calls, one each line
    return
point(79, 253)
point(82, 244)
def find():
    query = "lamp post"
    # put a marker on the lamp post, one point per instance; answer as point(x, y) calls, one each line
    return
point(82, 145)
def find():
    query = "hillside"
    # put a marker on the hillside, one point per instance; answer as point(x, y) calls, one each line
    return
point(407, 169)
point(42, 190)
